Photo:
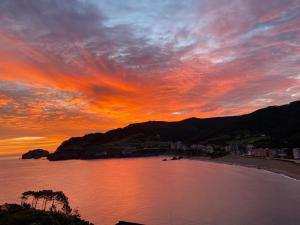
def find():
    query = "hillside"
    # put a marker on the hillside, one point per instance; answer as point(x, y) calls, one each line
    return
point(275, 126)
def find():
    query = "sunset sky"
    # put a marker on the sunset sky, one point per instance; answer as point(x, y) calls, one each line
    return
point(72, 67)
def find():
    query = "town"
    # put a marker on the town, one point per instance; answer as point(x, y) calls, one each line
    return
point(212, 150)
point(246, 150)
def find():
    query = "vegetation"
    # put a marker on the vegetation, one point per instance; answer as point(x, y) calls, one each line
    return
point(277, 126)
point(44, 207)
point(43, 197)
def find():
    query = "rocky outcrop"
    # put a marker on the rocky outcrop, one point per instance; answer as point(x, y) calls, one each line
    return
point(35, 154)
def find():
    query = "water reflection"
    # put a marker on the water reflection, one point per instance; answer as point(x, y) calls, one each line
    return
point(154, 192)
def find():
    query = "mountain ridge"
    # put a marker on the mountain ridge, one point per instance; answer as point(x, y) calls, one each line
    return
point(273, 126)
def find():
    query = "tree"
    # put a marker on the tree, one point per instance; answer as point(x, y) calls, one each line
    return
point(57, 198)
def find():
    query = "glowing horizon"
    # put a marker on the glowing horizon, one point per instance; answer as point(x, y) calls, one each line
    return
point(75, 67)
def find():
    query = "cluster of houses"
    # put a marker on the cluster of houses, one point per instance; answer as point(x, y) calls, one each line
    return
point(238, 149)
point(281, 153)
point(194, 148)
point(179, 147)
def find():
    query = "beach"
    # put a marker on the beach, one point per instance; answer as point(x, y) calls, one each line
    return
point(288, 168)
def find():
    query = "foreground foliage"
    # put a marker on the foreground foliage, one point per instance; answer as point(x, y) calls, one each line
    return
point(39, 199)
point(37, 213)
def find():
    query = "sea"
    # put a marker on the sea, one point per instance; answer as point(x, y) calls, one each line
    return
point(155, 192)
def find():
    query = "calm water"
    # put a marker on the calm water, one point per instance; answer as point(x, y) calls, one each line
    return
point(185, 192)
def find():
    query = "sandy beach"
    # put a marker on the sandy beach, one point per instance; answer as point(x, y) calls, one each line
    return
point(277, 166)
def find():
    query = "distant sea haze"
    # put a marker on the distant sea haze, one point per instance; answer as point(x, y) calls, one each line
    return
point(156, 192)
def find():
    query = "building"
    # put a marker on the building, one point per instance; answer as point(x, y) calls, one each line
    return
point(228, 148)
point(209, 149)
point(178, 146)
point(296, 153)
point(100, 154)
point(279, 153)
point(197, 147)
point(249, 147)
point(259, 152)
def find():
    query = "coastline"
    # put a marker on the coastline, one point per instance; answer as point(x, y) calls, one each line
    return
point(282, 167)
point(285, 168)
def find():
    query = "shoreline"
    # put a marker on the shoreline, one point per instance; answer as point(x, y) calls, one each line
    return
point(285, 168)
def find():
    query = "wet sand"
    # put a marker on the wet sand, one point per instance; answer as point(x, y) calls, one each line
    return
point(287, 168)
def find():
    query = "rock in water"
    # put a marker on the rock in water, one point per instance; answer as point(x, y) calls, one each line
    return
point(35, 154)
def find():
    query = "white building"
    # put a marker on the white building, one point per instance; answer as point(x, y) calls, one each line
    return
point(209, 149)
point(197, 147)
point(296, 153)
point(178, 146)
